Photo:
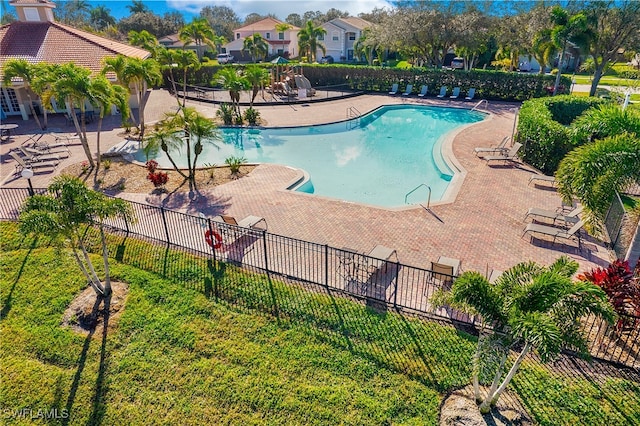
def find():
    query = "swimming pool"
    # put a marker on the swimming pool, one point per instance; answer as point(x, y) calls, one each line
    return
point(375, 160)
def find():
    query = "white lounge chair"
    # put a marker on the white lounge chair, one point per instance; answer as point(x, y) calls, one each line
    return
point(569, 218)
point(501, 148)
point(455, 94)
point(23, 163)
point(509, 156)
point(37, 154)
point(423, 91)
point(470, 94)
point(443, 92)
point(542, 178)
point(394, 89)
point(247, 222)
point(408, 90)
point(561, 233)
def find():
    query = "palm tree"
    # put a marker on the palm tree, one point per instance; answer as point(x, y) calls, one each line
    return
point(117, 65)
point(41, 86)
point(234, 83)
point(100, 17)
point(65, 212)
point(256, 46)
point(218, 41)
point(141, 74)
point(543, 48)
point(198, 32)
point(143, 39)
point(168, 61)
point(308, 40)
point(186, 60)
point(196, 128)
point(530, 307)
point(257, 78)
point(566, 28)
point(19, 68)
point(283, 27)
point(103, 95)
point(137, 6)
point(592, 173)
point(72, 86)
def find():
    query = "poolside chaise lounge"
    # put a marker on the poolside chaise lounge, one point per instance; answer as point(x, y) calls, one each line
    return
point(445, 269)
point(37, 154)
point(569, 218)
point(443, 92)
point(509, 156)
point(360, 266)
point(247, 222)
point(566, 234)
point(542, 178)
point(470, 94)
point(23, 163)
point(501, 148)
point(423, 91)
point(408, 90)
point(394, 89)
point(455, 94)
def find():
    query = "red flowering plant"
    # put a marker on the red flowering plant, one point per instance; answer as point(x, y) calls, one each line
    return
point(623, 288)
point(159, 179)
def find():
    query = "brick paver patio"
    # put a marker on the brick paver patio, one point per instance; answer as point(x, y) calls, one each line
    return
point(482, 227)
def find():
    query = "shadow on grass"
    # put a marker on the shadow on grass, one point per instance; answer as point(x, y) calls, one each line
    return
point(6, 303)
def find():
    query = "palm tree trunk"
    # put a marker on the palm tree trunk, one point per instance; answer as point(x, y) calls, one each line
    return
point(557, 84)
point(98, 290)
point(144, 96)
point(98, 155)
point(492, 398)
point(105, 259)
point(33, 110)
point(184, 88)
point(82, 135)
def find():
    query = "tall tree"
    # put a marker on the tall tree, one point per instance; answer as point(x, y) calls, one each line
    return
point(613, 25)
point(252, 18)
point(72, 87)
point(294, 19)
point(21, 69)
point(186, 60)
point(567, 28)
point(65, 212)
point(75, 12)
point(530, 307)
point(137, 6)
point(222, 19)
point(308, 37)
point(257, 77)
point(256, 46)
point(230, 80)
point(143, 39)
point(282, 28)
point(100, 17)
point(198, 32)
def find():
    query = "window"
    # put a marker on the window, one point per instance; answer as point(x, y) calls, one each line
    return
point(352, 36)
point(280, 36)
point(335, 36)
point(31, 14)
point(237, 36)
point(268, 35)
point(320, 36)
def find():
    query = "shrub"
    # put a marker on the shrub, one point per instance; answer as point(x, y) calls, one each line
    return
point(159, 179)
point(226, 113)
point(604, 121)
point(543, 128)
point(623, 290)
point(106, 164)
point(252, 116)
point(152, 165)
point(234, 164)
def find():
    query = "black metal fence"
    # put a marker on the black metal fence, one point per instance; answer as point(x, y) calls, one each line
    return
point(613, 222)
point(385, 282)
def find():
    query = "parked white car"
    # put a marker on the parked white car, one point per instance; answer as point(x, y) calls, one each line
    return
point(225, 58)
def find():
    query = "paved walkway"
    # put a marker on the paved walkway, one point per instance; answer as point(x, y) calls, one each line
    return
point(482, 227)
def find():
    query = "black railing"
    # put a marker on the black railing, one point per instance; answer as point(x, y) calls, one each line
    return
point(386, 282)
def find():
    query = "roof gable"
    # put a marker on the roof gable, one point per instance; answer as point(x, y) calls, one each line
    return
point(56, 43)
point(265, 24)
point(350, 23)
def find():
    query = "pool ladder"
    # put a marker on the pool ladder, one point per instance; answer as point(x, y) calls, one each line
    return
point(415, 189)
point(476, 106)
point(353, 117)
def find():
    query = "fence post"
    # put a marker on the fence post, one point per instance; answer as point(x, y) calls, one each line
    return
point(126, 223)
point(166, 227)
point(211, 233)
point(326, 265)
point(395, 293)
point(266, 255)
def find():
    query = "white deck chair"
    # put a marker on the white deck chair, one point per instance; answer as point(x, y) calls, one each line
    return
point(470, 94)
point(408, 90)
point(394, 89)
point(501, 148)
point(455, 94)
point(509, 156)
point(423, 91)
point(443, 92)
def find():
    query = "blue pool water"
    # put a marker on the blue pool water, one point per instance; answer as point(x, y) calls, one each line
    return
point(377, 160)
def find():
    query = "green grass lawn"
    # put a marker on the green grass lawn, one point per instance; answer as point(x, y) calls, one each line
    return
point(205, 343)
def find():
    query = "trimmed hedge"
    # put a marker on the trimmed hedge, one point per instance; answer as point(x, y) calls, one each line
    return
point(493, 85)
point(543, 129)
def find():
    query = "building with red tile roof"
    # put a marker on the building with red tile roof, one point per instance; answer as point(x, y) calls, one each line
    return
point(36, 37)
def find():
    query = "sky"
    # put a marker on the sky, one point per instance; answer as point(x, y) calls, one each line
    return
point(280, 8)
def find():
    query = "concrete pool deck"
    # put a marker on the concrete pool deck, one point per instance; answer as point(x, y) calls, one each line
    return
point(482, 227)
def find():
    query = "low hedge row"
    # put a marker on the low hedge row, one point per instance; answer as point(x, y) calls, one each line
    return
point(543, 128)
point(495, 85)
